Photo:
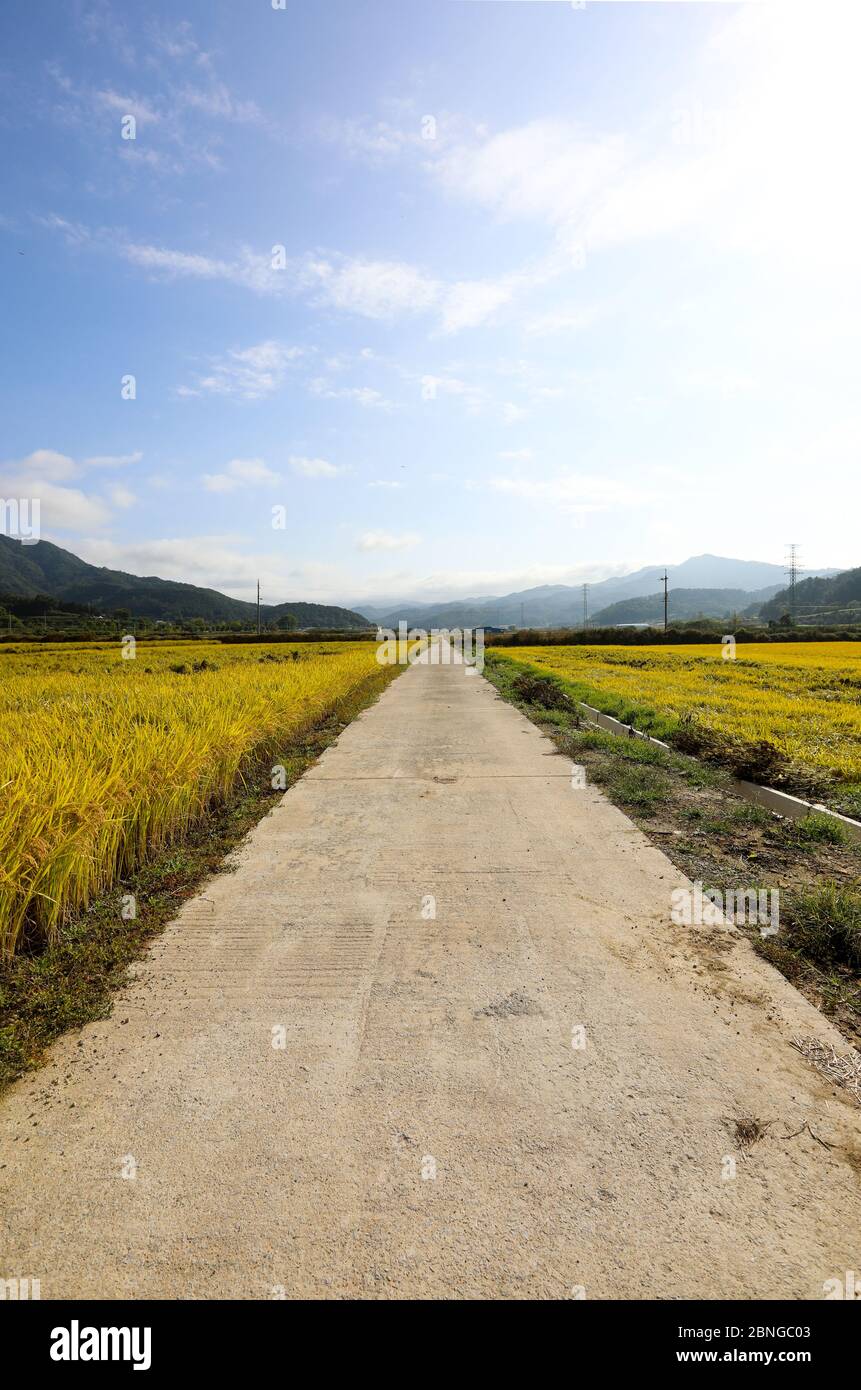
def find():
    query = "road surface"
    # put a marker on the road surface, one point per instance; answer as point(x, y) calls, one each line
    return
point(436, 1037)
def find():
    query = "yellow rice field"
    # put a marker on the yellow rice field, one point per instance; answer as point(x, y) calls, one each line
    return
point(804, 697)
point(104, 760)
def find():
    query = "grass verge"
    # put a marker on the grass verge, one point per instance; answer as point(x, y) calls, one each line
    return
point(44, 993)
point(690, 810)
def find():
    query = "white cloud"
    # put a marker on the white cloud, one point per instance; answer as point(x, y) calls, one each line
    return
point(377, 289)
point(379, 141)
point(239, 473)
point(250, 373)
point(473, 397)
point(511, 413)
point(714, 384)
point(590, 188)
point(213, 561)
point(179, 42)
point(113, 460)
point(546, 169)
point(216, 100)
point(179, 115)
point(374, 141)
point(41, 476)
point(47, 463)
point(517, 455)
point(575, 494)
point(170, 263)
point(127, 105)
point(73, 233)
point(385, 540)
point(562, 321)
point(61, 508)
point(374, 289)
point(385, 483)
point(469, 303)
point(69, 509)
point(364, 396)
point(315, 468)
point(122, 497)
point(735, 155)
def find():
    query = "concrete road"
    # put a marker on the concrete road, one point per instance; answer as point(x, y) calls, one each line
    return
point(436, 1036)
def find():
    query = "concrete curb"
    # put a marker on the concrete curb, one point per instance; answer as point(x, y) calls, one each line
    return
point(781, 803)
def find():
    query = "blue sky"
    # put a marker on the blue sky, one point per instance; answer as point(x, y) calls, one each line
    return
point(483, 293)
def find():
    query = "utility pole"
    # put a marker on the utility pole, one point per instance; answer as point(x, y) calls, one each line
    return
point(258, 608)
point(665, 579)
point(585, 606)
point(793, 569)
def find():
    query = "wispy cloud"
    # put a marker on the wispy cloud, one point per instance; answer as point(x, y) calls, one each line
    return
point(564, 321)
point(178, 118)
point(375, 289)
point(380, 290)
point(251, 373)
point(365, 396)
point(240, 473)
point(315, 468)
point(575, 494)
point(386, 540)
point(113, 460)
point(49, 463)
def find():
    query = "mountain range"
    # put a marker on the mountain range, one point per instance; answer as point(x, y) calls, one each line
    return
point(725, 585)
point(837, 598)
point(47, 569)
point(707, 585)
point(683, 604)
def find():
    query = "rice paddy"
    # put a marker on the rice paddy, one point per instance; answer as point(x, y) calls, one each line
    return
point(804, 698)
point(105, 759)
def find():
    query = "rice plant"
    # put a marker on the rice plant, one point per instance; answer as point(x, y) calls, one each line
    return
point(105, 761)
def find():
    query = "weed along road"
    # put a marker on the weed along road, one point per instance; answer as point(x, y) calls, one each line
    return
point(437, 1035)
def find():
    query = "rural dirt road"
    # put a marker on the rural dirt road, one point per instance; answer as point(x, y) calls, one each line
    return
point(427, 1128)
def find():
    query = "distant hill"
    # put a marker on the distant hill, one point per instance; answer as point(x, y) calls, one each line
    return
point(681, 603)
point(561, 605)
point(319, 615)
point(817, 596)
point(44, 568)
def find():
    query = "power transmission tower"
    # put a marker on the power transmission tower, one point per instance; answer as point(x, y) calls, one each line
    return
point(522, 622)
point(258, 608)
point(793, 569)
point(665, 579)
point(585, 606)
